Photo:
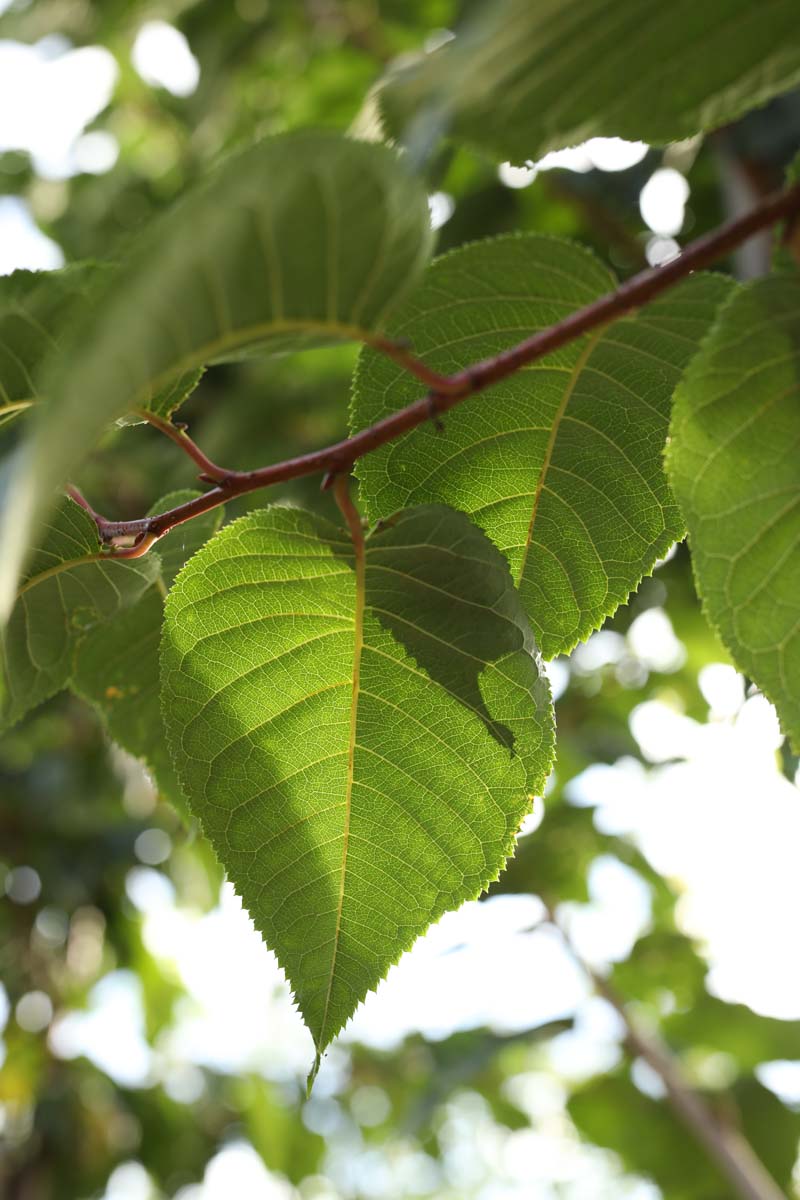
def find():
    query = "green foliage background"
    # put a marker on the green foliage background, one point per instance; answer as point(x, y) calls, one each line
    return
point(73, 809)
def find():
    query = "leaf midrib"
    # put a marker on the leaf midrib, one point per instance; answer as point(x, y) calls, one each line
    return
point(358, 646)
point(569, 392)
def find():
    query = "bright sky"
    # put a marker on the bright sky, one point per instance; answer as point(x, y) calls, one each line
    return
point(722, 822)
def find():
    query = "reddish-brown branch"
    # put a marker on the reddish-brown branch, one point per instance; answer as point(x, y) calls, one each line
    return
point(210, 472)
point(97, 517)
point(448, 391)
point(400, 353)
point(80, 499)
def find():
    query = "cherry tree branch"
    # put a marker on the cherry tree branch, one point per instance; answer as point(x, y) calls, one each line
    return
point(445, 392)
point(176, 430)
point(80, 499)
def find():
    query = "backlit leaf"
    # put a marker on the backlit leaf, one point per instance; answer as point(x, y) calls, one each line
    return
point(561, 463)
point(735, 469)
point(360, 734)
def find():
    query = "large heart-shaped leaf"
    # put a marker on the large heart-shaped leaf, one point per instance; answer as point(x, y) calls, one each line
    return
point(734, 463)
point(359, 731)
point(69, 589)
point(561, 463)
point(304, 238)
point(524, 78)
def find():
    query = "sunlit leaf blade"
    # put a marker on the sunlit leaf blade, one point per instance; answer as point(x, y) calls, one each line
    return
point(302, 239)
point(117, 665)
point(735, 469)
point(69, 589)
point(359, 742)
point(561, 463)
point(524, 78)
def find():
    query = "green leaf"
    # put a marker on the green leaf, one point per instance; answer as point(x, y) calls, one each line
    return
point(733, 1029)
point(117, 665)
point(172, 394)
point(554, 860)
point(177, 547)
point(164, 400)
point(304, 238)
point(650, 1139)
point(360, 734)
point(734, 466)
point(526, 78)
point(117, 673)
point(613, 1113)
point(35, 310)
point(664, 962)
point(69, 588)
point(34, 307)
point(771, 1127)
point(561, 463)
point(276, 1130)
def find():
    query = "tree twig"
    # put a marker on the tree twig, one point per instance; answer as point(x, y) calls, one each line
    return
point(210, 472)
point(80, 499)
point(724, 1144)
point(447, 391)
